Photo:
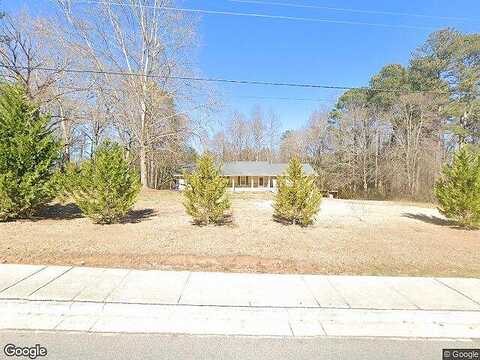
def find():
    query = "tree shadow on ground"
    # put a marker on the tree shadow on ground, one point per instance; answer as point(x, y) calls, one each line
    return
point(71, 211)
point(138, 215)
point(226, 220)
point(59, 212)
point(283, 221)
point(432, 219)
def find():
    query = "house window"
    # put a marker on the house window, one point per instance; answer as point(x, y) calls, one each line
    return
point(260, 181)
point(243, 180)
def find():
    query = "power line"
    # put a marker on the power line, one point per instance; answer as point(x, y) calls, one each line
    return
point(228, 81)
point(264, 16)
point(358, 11)
point(279, 98)
point(90, 88)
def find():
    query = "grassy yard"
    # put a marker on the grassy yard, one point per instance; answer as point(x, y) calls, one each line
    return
point(349, 237)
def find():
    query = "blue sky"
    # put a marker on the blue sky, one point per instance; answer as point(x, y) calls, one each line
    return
point(306, 52)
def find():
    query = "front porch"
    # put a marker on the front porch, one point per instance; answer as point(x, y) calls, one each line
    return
point(252, 183)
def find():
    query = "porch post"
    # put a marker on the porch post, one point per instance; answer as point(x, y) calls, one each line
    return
point(251, 182)
point(233, 183)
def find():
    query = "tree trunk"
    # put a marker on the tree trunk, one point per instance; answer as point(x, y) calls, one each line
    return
point(365, 175)
point(66, 136)
point(143, 166)
point(143, 150)
point(376, 159)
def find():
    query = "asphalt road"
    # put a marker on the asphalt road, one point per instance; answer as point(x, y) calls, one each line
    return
point(93, 346)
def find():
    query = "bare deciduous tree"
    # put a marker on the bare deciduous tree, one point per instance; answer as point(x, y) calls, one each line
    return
point(255, 138)
point(153, 46)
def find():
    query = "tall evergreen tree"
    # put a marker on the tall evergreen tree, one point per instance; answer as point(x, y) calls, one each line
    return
point(206, 199)
point(450, 61)
point(298, 199)
point(28, 155)
point(458, 191)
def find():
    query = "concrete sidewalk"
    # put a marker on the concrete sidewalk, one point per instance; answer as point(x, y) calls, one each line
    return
point(118, 300)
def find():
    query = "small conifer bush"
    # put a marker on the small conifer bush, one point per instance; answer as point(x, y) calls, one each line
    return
point(205, 195)
point(298, 199)
point(28, 155)
point(105, 188)
point(458, 190)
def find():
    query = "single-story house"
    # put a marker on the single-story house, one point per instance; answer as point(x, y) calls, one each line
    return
point(252, 175)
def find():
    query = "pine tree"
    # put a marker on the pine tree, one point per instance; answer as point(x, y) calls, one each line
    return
point(28, 155)
point(458, 191)
point(105, 188)
point(298, 199)
point(206, 199)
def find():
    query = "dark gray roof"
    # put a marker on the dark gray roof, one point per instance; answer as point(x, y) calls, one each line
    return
point(259, 168)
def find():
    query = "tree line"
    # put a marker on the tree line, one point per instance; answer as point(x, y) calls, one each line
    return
point(387, 140)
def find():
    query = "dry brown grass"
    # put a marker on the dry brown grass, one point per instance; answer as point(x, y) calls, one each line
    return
point(349, 237)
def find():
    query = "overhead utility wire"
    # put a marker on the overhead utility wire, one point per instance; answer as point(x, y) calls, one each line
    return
point(278, 98)
point(229, 81)
point(358, 11)
point(91, 88)
point(259, 15)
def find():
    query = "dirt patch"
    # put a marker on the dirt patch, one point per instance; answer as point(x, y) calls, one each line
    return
point(349, 237)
